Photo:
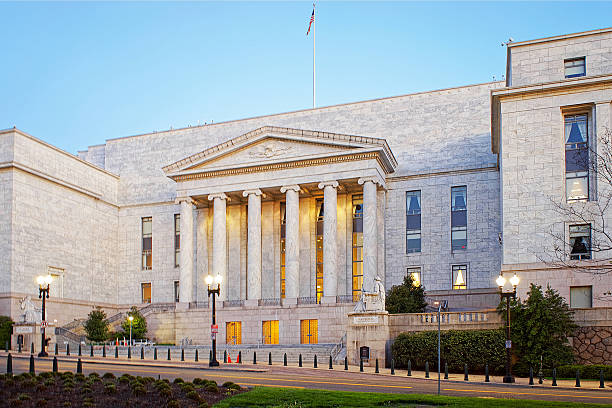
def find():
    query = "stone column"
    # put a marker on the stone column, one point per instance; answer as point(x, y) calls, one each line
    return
point(292, 246)
point(186, 284)
point(254, 244)
point(370, 232)
point(330, 239)
point(219, 256)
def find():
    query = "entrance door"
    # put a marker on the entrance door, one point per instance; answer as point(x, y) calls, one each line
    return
point(233, 333)
point(309, 331)
point(269, 330)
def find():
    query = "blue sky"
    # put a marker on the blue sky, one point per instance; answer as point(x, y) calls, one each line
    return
point(76, 74)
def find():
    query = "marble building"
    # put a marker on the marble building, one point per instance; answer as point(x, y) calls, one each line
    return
point(300, 211)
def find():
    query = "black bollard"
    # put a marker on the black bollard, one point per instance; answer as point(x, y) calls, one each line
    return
point(79, 367)
point(601, 379)
point(91, 354)
point(196, 355)
point(577, 378)
point(79, 349)
point(409, 368)
point(392, 367)
point(300, 360)
point(9, 364)
point(104, 350)
point(427, 369)
point(254, 357)
point(210, 357)
point(554, 380)
point(224, 356)
point(142, 353)
point(130, 352)
point(361, 365)
point(465, 373)
point(445, 370)
point(270, 358)
point(6, 346)
point(169, 354)
point(67, 349)
point(32, 348)
point(530, 375)
point(116, 352)
point(240, 357)
point(345, 363)
point(55, 364)
point(182, 354)
point(487, 373)
point(155, 353)
point(19, 348)
point(56, 349)
point(285, 359)
point(315, 361)
point(376, 371)
point(331, 364)
point(540, 379)
point(32, 364)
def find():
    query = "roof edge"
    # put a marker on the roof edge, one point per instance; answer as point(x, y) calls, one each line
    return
point(559, 37)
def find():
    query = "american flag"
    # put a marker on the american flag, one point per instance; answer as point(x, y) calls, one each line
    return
point(311, 21)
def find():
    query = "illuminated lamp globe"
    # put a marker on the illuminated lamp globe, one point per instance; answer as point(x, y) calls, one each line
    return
point(515, 280)
point(501, 281)
point(209, 280)
point(218, 279)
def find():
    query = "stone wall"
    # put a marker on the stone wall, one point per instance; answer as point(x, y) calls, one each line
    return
point(593, 345)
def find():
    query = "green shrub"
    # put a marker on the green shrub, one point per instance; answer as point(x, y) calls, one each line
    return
point(165, 392)
point(139, 389)
point(24, 397)
point(406, 298)
point(6, 328)
point(212, 387)
point(457, 347)
point(186, 387)
point(193, 395)
point(173, 404)
point(110, 388)
point(139, 324)
point(587, 372)
point(107, 376)
point(178, 380)
point(198, 381)
point(231, 385)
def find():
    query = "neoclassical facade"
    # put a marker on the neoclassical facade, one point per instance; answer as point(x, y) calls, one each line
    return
point(299, 212)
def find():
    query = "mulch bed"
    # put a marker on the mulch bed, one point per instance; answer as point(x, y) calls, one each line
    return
point(76, 390)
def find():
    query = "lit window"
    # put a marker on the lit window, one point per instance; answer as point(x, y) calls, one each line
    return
point(176, 291)
point(357, 246)
point(575, 67)
point(319, 251)
point(145, 290)
point(147, 238)
point(581, 297)
point(580, 241)
point(177, 240)
point(413, 221)
point(458, 218)
point(459, 276)
point(576, 157)
point(416, 275)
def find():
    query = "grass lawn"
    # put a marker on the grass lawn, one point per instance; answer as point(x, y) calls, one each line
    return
point(301, 398)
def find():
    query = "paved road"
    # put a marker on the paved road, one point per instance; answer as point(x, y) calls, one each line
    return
point(323, 378)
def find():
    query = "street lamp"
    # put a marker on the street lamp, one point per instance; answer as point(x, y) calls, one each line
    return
point(131, 319)
point(43, 292)
point(441, 305)
point(213, 327)
point(501, 282)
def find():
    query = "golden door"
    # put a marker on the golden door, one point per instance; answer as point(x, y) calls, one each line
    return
point(233, 333)
point(270, 331)
point(309, 331)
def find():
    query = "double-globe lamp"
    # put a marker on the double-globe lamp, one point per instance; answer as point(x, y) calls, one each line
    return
point(213, 328)
point(501, 282)
point(43, 293)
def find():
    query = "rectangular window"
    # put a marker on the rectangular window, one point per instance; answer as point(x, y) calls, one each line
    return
point(176, 291)
point(233, 333)
point(269, 331)
point(580, 241)
point(458, 218)
point(283, 215)
point(575, 67)
point(413, 221)
point(581, 297)
point(145, 290)
point(147, 243)
point(416, 275)
point(319, 250)
point(309, 330)
point(576, 157)
point(357, 243)
point(177, 240)
point(459, 276)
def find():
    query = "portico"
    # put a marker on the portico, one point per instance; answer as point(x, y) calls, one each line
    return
point(247, 190)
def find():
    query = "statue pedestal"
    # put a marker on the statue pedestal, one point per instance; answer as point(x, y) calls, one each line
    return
point(367, 332)
point(26, 333)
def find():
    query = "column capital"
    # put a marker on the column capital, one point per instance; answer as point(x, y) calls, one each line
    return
point(293, 187)
point(255, 191)
point(329, 183)
point(188, 200)
point(222, 196)
point(373, 179)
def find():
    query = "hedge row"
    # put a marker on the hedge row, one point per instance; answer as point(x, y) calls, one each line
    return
point(476, 348)
point(587, 372)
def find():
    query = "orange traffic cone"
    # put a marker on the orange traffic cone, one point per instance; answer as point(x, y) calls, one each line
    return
point(229, 358)
point(238, 359)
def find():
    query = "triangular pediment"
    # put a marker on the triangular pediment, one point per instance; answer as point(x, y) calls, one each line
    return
point(269, 145)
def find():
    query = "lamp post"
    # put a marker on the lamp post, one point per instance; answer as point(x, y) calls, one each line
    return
point(43, 293)
point(501, 282)
point(209, 281)
point(131, 319)
point(441, 305)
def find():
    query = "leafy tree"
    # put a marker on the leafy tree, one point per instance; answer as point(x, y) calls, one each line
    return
point(96, 326)
point(540, 327)
point(6, 328)
point(409, 297)
point(139, 324)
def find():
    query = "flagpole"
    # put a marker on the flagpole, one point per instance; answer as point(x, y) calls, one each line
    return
point(314, 23)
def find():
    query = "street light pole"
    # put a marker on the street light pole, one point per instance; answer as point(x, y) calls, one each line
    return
point(501, 281)
point(440, 304)
point(43, 293)
point(209, 280)
point(131, 318)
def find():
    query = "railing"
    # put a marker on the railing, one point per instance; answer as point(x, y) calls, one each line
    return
point(307, 301)
point(233, 303)
point(157, 307)
point(345, 299)
point(69, 335)
point(270, 302)
point(74, 324)
point(115, 317)
point(338, 347)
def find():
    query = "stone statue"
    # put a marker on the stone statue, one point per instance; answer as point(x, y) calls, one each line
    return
point(372, 301)
point(31, 313)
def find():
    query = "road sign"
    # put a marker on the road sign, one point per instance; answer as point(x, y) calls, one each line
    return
point(213, 336)
point(44, 323)
point(508, 344)
point(214, 328)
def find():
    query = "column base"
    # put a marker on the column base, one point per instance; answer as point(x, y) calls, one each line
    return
point(327, 300)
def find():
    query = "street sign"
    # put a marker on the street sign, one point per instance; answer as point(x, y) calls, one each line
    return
point(213, 336)
point(214, 328)
point(508, 344)
point(44, 323)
